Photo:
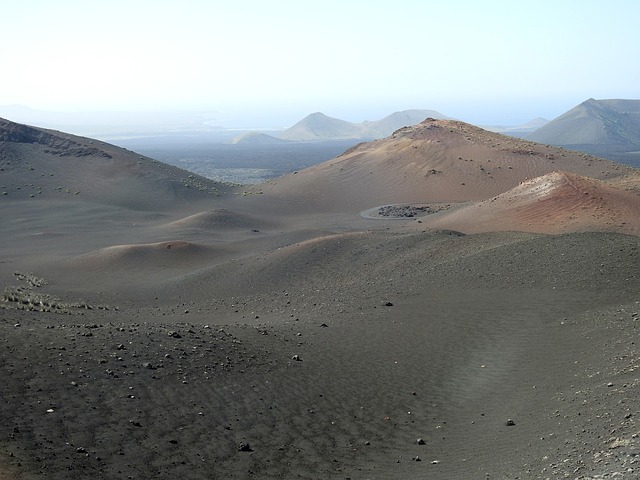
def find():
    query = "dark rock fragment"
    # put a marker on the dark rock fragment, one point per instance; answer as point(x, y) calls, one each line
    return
point(245, 447)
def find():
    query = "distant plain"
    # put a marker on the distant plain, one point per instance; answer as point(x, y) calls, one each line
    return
point(211, 157)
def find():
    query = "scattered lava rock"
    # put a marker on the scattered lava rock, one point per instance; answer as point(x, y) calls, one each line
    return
point(245, 447)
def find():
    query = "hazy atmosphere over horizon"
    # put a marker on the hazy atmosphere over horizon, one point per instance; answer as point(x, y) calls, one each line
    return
point(251, 63)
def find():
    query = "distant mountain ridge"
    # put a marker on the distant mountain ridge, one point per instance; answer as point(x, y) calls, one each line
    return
point(318, 126)
point(595, 122)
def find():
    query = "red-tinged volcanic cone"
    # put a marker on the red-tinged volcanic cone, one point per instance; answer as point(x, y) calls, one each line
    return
point(557, 202)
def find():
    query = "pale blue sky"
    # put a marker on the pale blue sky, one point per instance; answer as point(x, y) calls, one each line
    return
point(274, 61)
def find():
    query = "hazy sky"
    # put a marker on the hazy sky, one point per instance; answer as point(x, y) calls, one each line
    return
point(274, 61)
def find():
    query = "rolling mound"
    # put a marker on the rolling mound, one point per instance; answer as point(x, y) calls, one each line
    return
point(435, 161)
point(145, 257)
point(219, 220)
point(131, 273)
point(131, 253)
point(554, 203)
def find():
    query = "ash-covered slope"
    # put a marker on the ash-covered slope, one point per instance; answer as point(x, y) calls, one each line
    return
point(38, 164)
